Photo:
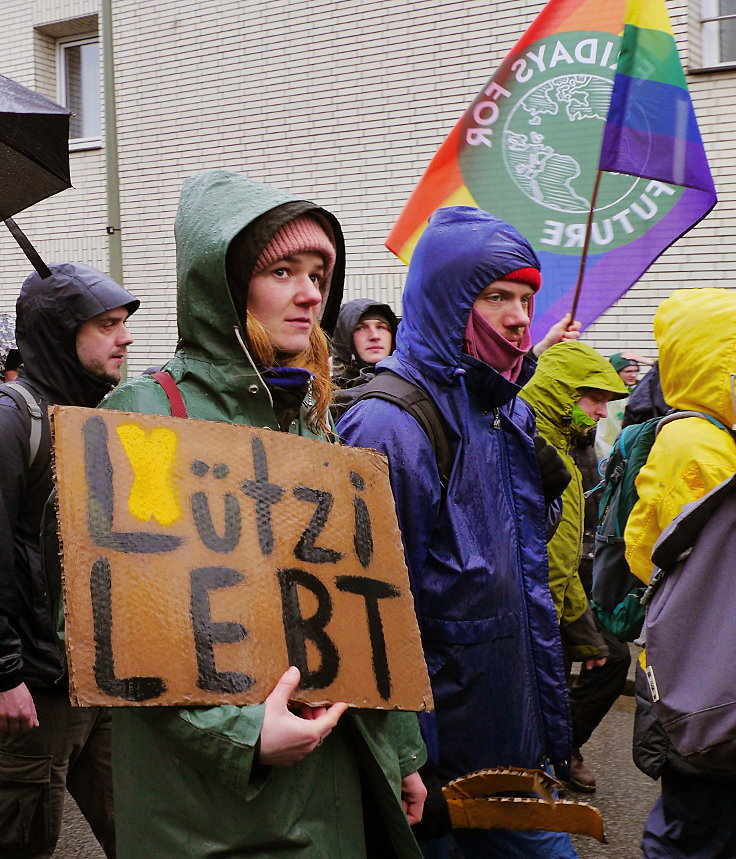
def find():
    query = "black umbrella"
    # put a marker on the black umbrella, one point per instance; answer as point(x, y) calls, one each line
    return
point(34, 156)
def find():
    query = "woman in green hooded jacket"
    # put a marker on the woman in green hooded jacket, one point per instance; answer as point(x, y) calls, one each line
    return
point(258, 273)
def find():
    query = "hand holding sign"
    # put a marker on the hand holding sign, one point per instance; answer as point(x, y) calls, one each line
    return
point(287, 738)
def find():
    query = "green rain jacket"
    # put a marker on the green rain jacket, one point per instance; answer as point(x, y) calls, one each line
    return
point(556, 386)
point(187, 782)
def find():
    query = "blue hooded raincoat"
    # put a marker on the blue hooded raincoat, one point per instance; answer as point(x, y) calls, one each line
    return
point(477, 558)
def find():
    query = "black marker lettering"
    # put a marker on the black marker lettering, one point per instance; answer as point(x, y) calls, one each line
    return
point(128, 688)
point(264, 494)
point(208, 632)
point(305, 549)
point(363, 536)
point(205, 527)
point(297, 628)
point(373, 590)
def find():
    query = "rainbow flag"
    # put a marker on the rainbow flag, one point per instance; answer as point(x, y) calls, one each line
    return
point(591, 86)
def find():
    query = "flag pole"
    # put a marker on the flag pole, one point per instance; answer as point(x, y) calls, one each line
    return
point(586, 245)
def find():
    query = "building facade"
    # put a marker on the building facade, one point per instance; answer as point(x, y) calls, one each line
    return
point(344, 103)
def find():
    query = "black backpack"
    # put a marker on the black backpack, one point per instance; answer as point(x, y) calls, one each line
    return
point(389, 386)
point(49, 547)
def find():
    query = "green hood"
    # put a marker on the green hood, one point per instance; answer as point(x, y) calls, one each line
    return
point(215, 206)
point(210, 368)
point(563, 371)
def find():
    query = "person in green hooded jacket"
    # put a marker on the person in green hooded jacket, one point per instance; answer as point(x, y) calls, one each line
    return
point(259, 275)
point(569, 393)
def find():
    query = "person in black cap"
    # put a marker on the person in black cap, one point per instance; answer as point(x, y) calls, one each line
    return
point(72, 336)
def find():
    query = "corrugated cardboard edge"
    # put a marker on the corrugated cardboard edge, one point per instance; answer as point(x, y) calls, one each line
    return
point(474, 803)
point(522, 813)
point(73, 697)
point(486, 782)
point(382, 465)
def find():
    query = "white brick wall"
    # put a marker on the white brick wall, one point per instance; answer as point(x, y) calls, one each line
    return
point(342, 102)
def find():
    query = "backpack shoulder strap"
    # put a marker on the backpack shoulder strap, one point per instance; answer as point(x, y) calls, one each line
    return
point(176, 402)
point(623, 443)
point(24, 399)
point(389, 386)
point(673, 416)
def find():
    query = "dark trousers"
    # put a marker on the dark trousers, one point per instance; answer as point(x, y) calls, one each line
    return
point(593, 692)
point(69, 750)
point(692, 819)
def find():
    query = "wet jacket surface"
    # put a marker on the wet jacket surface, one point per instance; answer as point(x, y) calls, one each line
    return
point(563, 370)
point(49, 315)
point(187, 781)
point(690, 456)
point(477, 557)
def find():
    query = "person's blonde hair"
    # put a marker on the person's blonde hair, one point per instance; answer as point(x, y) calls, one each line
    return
point(315, 358)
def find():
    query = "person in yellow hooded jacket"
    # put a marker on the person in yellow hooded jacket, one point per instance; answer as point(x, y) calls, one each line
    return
point(569, 393)
point(694, 816)
point(690, 456)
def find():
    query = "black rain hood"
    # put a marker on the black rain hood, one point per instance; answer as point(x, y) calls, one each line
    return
point(343, 348)
point(49, 313)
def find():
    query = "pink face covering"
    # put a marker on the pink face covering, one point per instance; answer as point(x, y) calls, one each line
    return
point(483, 342)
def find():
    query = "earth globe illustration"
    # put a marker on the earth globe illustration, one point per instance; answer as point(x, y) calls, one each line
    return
point(551, 143)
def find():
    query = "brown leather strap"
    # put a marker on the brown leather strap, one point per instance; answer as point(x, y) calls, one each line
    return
point(176, 403)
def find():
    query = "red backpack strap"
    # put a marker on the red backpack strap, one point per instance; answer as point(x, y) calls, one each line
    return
point(178, 409)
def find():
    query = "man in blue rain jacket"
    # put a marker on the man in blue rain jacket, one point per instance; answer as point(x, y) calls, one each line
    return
point(476, 551)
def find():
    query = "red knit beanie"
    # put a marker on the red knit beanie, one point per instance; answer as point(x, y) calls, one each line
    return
point(302, 235)
point(530, 276)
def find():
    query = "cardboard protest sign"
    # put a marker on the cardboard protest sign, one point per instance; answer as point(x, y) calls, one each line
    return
point(201, 559)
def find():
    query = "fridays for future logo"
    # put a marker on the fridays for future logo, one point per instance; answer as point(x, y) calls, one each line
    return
point(537, 128)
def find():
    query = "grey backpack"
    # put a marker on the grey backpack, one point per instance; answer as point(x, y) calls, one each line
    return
point(689, 697)
point(25, 401)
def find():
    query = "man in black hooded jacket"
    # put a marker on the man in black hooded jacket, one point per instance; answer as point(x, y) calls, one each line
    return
point(365, 333)
point(72, 336)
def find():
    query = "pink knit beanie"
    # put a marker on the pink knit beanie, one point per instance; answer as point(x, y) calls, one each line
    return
point(302, 235)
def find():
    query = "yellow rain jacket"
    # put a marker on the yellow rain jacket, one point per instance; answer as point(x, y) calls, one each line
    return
point(695, 330)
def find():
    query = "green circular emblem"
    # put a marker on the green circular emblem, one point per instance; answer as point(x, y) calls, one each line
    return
point(546, 146)
point(531, 145)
